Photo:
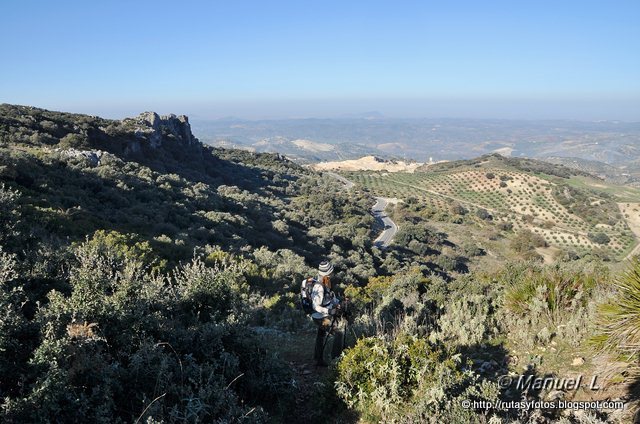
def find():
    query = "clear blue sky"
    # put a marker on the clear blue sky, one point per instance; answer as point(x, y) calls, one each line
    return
point(564, 59)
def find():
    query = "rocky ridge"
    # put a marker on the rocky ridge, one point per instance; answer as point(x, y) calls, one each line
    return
point(146, 138)
point(154, 128)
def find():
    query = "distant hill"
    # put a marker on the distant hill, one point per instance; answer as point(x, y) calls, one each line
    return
point(522, 164)
point(629, 175)
point(613, 143)
point(301, 150)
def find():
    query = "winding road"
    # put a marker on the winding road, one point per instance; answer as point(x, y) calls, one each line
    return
point(390, 228)
point(347, 184)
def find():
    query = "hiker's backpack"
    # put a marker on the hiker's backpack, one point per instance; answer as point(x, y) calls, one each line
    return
point(306, 288)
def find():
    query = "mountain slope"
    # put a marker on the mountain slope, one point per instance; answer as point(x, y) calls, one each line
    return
point(134, 259)
point(567, 211)
point(147, 277)
point(150, 177)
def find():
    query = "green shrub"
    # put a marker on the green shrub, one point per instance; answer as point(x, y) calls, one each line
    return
point(562, 287)
point(526, 241)
point(9, 216)
point(383, 374)
point(483, 214)
point(210, 294)
point(175, 346)
point(73, 140)
point(7, 267)
point(392, 380)
point(17, 334)
point(464, 322)
point(544, 302)
point(471, 249)
point(600, 238)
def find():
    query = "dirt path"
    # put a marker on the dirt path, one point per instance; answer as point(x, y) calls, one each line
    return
point(297, 350)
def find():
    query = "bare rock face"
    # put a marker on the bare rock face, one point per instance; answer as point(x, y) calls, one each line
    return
point(156, 129)
point(179, 125)
point(93, 157)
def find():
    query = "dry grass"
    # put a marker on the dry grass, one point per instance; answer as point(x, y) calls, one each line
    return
point(84, 331)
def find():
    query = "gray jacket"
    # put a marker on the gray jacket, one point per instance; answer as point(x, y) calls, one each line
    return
point(323, 301)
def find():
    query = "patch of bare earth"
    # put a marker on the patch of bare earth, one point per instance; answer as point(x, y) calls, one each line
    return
point(548, 253)
point(608, 379)
point(313, 146)
point(368, 163)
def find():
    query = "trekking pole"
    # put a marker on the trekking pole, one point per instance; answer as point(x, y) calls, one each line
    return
point(326, 339)
point(347, 325)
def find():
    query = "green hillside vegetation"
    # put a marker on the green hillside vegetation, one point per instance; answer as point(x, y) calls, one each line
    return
point(177, 198)
point(134, 256)
point(145, 277)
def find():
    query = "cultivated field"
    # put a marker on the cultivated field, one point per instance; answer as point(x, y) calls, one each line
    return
point(574, 214)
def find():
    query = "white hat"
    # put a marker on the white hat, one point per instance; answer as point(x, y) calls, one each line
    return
point(325, 268)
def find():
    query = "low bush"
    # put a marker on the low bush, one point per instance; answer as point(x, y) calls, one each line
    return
point(408, 379)
point(600, 238)
point(126, 343)
point(545, 302)
point(465, 322)
point(526, 241)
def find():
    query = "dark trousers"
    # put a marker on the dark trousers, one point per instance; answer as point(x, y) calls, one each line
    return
point(324, 326)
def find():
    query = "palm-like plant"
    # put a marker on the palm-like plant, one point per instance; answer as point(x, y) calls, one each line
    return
point(620, 318)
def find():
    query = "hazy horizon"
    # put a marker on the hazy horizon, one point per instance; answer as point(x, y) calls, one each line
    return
point(399, 109)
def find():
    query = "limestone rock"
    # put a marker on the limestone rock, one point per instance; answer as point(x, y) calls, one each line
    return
point(92, 156)
point(577, 361)
point(156, 129)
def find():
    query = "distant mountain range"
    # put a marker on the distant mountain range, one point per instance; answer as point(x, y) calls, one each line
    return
point(302, 150)
point(610, 149)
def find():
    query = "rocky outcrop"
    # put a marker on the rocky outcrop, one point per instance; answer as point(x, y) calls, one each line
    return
point(147, 138)
point(155, 130)
point(92, 157)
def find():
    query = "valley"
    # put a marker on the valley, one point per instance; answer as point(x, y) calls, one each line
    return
point(607, 149)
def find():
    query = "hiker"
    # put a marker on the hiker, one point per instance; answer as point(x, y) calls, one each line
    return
point(326, 314)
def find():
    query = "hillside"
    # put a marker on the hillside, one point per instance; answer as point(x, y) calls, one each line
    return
point(147, 277)
point(149, 176)
point(562, 211)
point(625, 175)
point(108, 225)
